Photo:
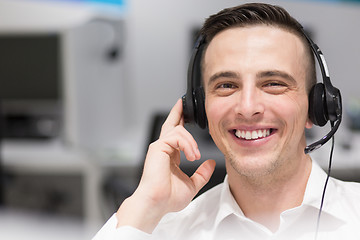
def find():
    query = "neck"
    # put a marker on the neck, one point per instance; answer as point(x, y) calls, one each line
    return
point(263, 199)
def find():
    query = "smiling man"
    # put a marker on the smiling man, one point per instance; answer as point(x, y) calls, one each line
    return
point(254, 88)
point(257, 71)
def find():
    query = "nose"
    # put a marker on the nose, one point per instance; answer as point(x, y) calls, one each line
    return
point(249, 102)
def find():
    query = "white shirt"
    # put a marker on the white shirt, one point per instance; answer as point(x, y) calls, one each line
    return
point(216, 215)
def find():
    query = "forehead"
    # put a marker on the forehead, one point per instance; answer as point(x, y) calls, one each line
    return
point(254, 48)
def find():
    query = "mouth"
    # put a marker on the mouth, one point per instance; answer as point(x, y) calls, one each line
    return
point(253, 134)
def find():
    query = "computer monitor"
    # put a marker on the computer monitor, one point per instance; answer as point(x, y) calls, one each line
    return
point(29, 67)
point(30, 84)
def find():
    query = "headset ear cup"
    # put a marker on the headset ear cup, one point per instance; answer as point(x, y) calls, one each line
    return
point(200, 114)
point(317, 105)
point(188, 108)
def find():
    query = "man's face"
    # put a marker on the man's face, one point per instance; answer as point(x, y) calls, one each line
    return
point(255, 98)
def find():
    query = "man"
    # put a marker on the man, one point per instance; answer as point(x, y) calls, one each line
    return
point(257, 72)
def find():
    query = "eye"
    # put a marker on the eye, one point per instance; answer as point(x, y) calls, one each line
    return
point(225, 88)
point(226, 85)
point(274, 84)
point(275, 87)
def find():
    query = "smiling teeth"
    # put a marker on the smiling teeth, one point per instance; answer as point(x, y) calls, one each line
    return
point(248, 135)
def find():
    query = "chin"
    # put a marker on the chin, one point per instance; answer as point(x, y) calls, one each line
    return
point(254, 167)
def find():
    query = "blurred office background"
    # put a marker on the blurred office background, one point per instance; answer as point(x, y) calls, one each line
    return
point(85, 86)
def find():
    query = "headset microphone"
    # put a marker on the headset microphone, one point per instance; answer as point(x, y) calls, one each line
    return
point(323, 140)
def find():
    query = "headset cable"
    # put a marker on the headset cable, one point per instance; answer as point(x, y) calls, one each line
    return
point(326, 183)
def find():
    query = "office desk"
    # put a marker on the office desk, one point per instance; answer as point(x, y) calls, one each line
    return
point(52, 158)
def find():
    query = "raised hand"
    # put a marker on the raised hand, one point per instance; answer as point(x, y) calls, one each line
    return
point(164, 187)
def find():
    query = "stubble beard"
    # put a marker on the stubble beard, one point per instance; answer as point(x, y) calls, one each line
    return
point(259, 173)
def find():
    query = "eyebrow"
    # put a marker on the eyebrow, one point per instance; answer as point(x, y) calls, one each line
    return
point(226, 74)
point(276, 73)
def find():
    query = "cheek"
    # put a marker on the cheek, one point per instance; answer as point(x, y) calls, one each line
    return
point(217, 113)
point(294, 111)
point(212, 112)
point(217, 110)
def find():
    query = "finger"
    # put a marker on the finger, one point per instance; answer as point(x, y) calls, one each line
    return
point(181, 139)
point(203, 174)
point(174, 118)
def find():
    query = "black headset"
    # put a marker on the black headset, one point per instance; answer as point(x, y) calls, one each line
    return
point(324, 99)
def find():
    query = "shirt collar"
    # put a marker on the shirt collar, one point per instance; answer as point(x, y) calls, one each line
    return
point(315, 186)
point(314, 191)
point(312, 198)
point(228, 205)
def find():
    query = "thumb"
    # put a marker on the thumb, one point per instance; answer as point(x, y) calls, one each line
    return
point(203, 174)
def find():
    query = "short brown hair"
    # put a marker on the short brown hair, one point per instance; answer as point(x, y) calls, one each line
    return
point(258, 14)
